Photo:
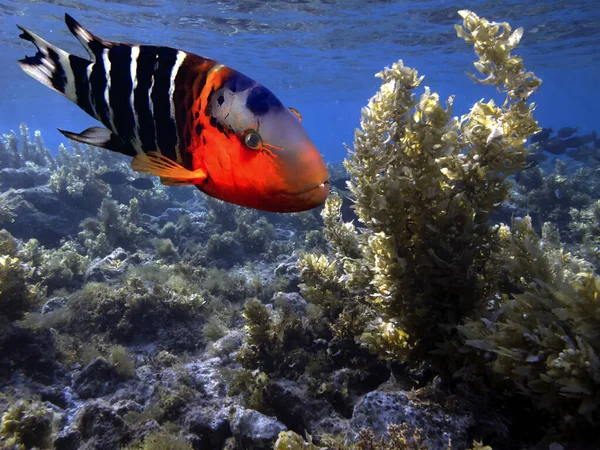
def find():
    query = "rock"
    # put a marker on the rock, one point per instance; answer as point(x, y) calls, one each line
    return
point(146, 374)
point(30, 351)
point(134, 390)
point(68, 439)
point(206, 376)
point(377, 410)
point(41, 214)
point(23, 178)
point(293, 405)
point(229, 343)
point(53, 304)
point(211, 425)
point(111, 266)
point(295, 300)
point(122, 407)
point(169, 215)
point(53, 394)
point(254, 430)
point(101, 427)
point(97, 379)
point(288, 269)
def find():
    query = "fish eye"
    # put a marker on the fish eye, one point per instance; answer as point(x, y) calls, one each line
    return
point(296, 112)
point(252, 140)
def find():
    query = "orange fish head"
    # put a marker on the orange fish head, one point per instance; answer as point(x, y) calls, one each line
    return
point(298, 174)
point(274, 166)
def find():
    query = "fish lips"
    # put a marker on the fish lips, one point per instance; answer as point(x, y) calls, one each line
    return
point(304, 199)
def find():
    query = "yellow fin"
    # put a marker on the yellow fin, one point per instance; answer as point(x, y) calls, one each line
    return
point(176, 182)
point(171, 173)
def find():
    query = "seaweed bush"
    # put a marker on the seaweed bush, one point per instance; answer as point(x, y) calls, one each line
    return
point(424, 185)
point(122, 361)
point(16, 295)
point(400, 437)
point(75, 177)
point(26, 425)
point(428, 279)
point(545, 337)
point(161, 440)
point(114, 226)
point(274, 341)
point(54, 268)
point(585, 226)
point(16, 152)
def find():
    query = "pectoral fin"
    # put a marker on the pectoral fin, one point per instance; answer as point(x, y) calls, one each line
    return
point(170, 173)
point(100, 137)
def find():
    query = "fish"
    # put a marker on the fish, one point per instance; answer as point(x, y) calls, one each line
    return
point(113, 177)
point(541, 136)
point(566, 132)
point(580, 141)
point(187, 119)
point(117, 178)
point(533, 159)
point(555, 146)
point(143, 184)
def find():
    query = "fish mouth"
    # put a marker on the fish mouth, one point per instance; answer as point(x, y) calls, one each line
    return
point(323, 185)
point(302, 199)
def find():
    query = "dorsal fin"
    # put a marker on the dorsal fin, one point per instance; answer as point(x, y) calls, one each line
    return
point(92, 43)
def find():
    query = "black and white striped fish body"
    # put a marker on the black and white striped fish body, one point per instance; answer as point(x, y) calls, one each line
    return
point(128, 88)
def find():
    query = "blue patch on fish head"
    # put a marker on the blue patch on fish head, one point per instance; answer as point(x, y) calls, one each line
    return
point(261, 100)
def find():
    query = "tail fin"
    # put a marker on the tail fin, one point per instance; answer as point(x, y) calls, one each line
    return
point(93, 44)
point(59, 70)
point(50, 65)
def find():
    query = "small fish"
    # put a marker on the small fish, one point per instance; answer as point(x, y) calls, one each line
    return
point(580, 141)
point(541, 136)
point(117, 178)
point(113, 177)
point(143, 184)
point(566, 132)
point(187, 119)
point(555, 146)
point(533, 159)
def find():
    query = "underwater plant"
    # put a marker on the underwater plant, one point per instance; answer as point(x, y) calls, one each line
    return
point(585, 226)
point(17, 296)
point(114, 226)
point(161, 440)
point(25, 425)
point(400, 437)
point(75, 177)
point(16, 152)
point(545, 335)
point(54, 268)
point(424, 185)
point(275, 339)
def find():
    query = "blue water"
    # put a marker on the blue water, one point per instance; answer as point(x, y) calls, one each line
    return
point(317, 56)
